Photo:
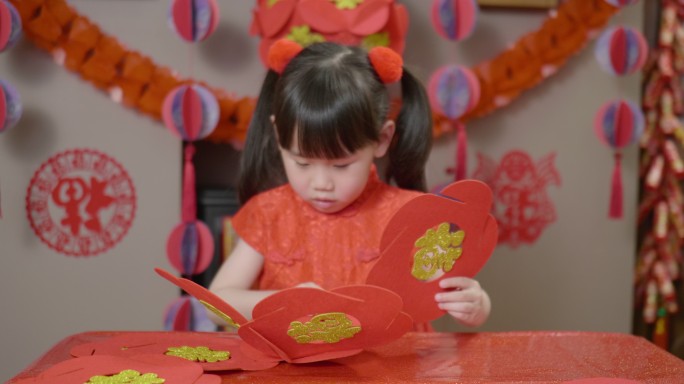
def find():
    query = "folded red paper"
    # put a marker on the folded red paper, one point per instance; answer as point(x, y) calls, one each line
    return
point(432, 237)
point(115, 369)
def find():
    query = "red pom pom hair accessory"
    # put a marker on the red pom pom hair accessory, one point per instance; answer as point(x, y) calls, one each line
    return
point(387, 63)
point(280, 54)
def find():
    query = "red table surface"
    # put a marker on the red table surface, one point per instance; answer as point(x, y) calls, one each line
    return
point(502, 357)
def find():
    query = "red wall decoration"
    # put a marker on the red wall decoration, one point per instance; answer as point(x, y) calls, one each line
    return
point(521, 205)
point(81, 202)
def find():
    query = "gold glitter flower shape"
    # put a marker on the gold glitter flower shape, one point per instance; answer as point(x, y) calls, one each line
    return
point(326, 327)
point(200, 354)
point(380, 39)
point(128, 376)
point(347, 4)
point(303, 36)
point(436, 250)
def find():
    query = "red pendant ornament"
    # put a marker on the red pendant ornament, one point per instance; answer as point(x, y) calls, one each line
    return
point(454, 91)
point(618, 124)
point(190, 112)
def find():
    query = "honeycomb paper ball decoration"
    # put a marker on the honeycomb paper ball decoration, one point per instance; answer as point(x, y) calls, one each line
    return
point(190, 112)
point(621, 50)
point(194, 20)
point(454, 19)
point(453, 90)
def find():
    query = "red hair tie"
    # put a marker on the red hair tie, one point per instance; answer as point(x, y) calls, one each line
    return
point(281, 52)
point(387, 64)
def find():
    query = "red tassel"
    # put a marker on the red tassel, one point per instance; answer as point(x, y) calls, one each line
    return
point(461, 152)
point(616, 189)
point(189, 208)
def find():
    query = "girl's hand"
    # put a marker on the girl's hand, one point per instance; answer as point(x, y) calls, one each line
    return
point(464, 300)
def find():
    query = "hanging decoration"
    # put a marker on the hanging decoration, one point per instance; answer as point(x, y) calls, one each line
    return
point(193, 20)
point(621, 50)
point(454, 19)
point(660, 218)
point(368, 23)
point(190, 112)
point(618, 124)
point(453, 91)
point(522, 206)
point(58, 28)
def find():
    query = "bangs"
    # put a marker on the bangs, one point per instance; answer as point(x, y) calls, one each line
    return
point(330, 124)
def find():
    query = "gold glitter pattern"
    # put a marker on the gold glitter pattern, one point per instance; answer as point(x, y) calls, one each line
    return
point(325, 327)
point(200, 354)
point(220, 314)
point(436, 250)
point(347, 4)
point(127, 376)
point(271, 3)
point(303, 36)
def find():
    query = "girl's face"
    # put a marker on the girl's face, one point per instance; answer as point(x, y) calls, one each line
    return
point(330, 185)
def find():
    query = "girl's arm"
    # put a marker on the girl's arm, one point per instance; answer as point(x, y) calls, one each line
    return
point(234, 280)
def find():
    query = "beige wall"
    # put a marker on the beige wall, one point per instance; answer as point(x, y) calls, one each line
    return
point(576, 277)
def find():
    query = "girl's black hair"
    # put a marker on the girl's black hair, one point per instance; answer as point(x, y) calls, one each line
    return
point(330, 100)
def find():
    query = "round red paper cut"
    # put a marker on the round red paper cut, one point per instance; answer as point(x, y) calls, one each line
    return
point(81, 202)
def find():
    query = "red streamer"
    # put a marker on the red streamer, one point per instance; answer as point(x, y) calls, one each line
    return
point(616, 189)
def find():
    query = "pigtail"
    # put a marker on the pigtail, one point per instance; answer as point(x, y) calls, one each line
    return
point(261, 167)
point(412, 141)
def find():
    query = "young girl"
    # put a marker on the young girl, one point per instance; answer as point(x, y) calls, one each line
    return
point(314, 207)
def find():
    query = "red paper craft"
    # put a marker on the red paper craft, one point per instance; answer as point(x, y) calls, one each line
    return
point(377, 311)
point(210, 350)
point(301, 325)
point(452, 234)
point(84, 369)
point(222, 309)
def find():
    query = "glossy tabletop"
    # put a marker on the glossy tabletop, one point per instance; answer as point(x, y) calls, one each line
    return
point(501, 357)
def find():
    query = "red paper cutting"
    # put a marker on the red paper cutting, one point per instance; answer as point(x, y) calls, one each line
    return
point(463, 205)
